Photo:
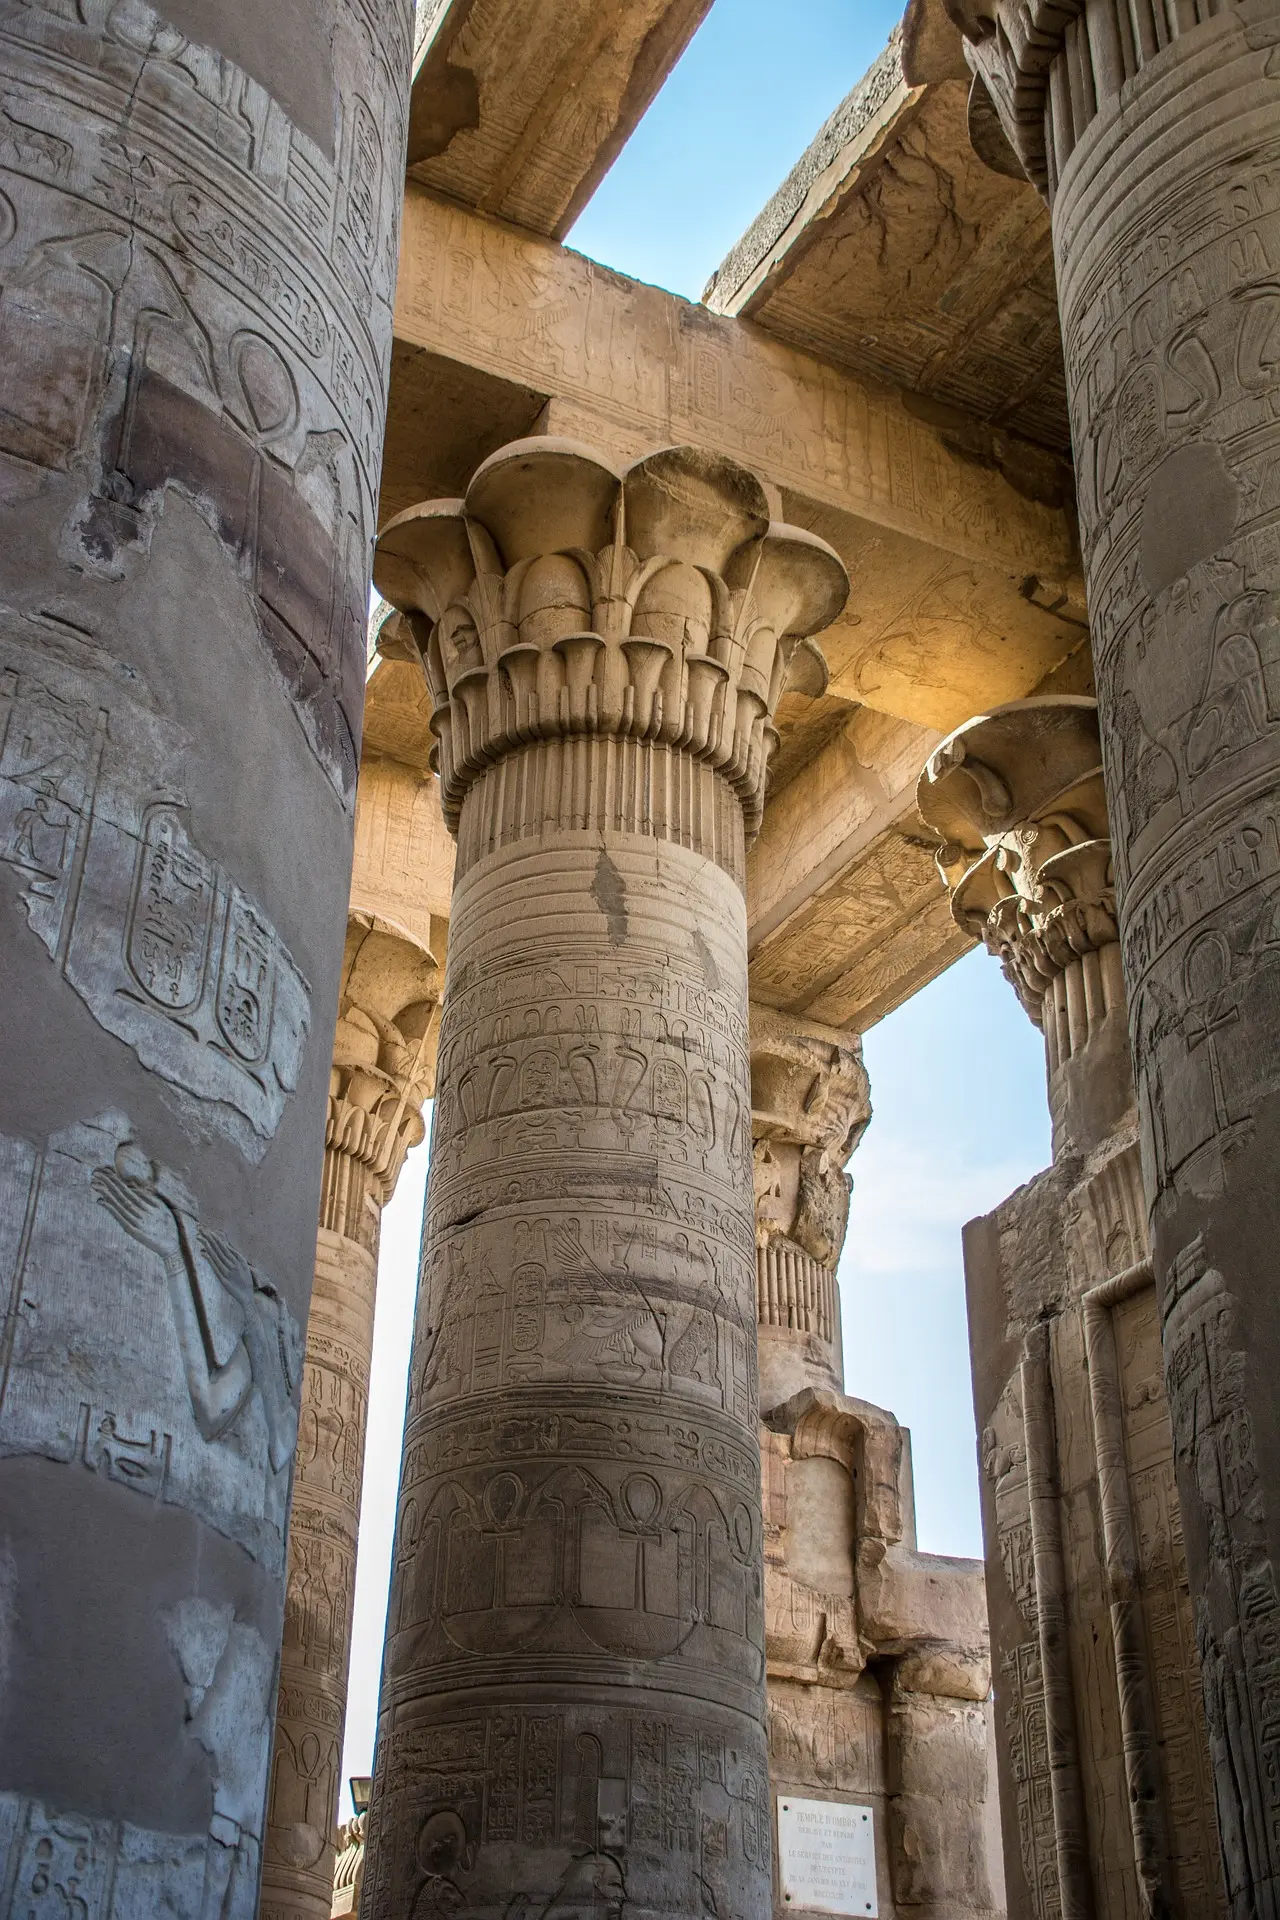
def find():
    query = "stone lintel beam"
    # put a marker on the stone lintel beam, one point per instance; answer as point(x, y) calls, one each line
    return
point(849, 148)
point(520, 109)
point(658, 369)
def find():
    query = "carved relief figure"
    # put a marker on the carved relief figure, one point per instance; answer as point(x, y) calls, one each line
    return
point(234, 1332)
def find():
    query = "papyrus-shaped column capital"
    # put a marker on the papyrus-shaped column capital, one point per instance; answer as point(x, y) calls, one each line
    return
point(1016, 797)
point(564, 599)
point(810, 1106)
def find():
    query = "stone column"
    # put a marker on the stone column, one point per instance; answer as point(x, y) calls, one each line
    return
point(198, 215)
point(810, 1105)
point(1101, 1742)
point(1151, 127)
point(383, 1070)
point(573, 1694)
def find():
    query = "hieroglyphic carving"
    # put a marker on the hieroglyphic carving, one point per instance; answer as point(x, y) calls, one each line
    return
point(163, 946)
point(1237, 1614)
point(1134, 1672)
point(194, 326)
point(53, 1864)
point(252, 318)
point(200, 1412)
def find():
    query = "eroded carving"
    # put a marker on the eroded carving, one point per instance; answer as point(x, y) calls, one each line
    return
point(201, 1412)
point(165, 949)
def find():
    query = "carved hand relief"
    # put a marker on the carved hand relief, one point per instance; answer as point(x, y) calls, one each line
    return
point(204, 303)
point(189, 1396)
point(167, 952)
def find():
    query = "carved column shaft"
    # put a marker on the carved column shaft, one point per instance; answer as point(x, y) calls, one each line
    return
point(384, 1066)
point(1154, 131)
point(573, 1694)
point(198, 215)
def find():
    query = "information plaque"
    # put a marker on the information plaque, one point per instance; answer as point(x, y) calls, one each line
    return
point(827, 1857)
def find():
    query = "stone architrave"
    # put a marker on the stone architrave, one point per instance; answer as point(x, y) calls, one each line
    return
point(573, 1696)
point(810, 1105)
point(1152, 130)
point(198, 216)
point(1104, 1765)
point(383, 1070)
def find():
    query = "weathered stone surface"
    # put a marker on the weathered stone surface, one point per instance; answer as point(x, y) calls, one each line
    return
point(878, 1666)
point(809, 1108)
point(1098, 1713)
point(520, 109)
point(573, 1692)
point(197, 247)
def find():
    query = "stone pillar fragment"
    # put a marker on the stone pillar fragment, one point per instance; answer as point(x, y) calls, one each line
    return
point(878, 1661)
point(1100, 1737)
point(1152, 131)
point(198, 216)
point(383, 1070)
point(573, 1694)
point(810, 1106)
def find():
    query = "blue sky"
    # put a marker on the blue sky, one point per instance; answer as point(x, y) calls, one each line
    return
point(755, 84)
point(957, 1075)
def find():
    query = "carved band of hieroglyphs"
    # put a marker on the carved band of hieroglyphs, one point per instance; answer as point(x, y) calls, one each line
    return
point(1238, 1612)
point(166, 951)
point(652, 1066)
point(190, 1398)
point(193, 294)
point(592, 1793)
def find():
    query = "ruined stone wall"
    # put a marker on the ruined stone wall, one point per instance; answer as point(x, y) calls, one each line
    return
point(1071, 1412)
